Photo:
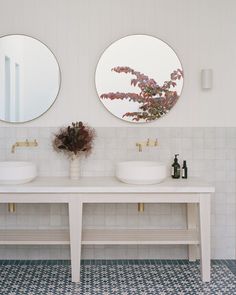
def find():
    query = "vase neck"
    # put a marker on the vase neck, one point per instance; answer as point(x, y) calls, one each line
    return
point(74, 157)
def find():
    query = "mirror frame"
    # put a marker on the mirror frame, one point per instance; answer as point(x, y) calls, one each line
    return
point(59, 73)
point(113, 42)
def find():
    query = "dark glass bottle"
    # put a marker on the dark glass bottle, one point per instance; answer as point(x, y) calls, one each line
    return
point(175, 168)
point(184, 170)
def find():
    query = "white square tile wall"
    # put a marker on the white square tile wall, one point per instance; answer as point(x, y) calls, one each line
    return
point(210, 154)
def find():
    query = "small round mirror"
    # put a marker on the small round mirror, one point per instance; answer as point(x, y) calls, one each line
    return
point(139, 78)
point(29, 78)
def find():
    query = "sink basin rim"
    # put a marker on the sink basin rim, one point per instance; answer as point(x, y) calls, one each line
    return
point(142, 163)
point(141, 172)
point(17, 172)
point(11, 164)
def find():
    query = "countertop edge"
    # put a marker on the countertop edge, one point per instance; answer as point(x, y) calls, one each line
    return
point(106, 185)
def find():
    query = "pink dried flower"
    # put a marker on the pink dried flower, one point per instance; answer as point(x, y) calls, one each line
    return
point(74, 140)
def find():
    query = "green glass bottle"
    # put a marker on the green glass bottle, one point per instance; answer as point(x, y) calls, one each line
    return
point(175, 173)
point(184, 170)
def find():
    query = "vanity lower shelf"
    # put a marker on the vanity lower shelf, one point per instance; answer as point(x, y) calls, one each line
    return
point(101, 237)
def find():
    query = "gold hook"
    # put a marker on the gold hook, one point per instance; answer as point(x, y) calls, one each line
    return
point(140, 207)
point(139, 145)
point(11, 207)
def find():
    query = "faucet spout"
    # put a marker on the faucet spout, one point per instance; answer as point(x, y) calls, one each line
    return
point(13, 148)
point(139, 145)
point(25, 143)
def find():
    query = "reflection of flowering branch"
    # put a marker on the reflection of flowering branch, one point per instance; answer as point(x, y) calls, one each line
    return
point(155, 100)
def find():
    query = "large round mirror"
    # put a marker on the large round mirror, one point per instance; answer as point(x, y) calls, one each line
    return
point(29, 78)
point(139, 78)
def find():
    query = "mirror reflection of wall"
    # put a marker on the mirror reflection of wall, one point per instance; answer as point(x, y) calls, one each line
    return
point(29, 78)
point(139, 78)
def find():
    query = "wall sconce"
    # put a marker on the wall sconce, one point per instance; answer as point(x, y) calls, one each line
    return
point(206, 78)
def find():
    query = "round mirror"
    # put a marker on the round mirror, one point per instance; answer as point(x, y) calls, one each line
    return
point(29, 78)
point(139, 78)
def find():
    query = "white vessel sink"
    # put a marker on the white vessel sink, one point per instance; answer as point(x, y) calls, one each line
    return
point(141, 172)
point(16, 172)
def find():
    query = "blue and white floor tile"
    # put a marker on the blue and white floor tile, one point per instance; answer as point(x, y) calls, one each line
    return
point(121, 277)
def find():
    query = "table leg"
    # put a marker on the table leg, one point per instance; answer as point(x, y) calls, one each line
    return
point(205, 245)
point(75, 221)
point(192, 224)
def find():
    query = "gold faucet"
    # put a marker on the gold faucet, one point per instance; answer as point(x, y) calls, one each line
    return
point(140, 145)
point(147, 143)
point(25, 143)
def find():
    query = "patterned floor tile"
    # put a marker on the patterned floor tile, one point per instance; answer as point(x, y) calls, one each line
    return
point(125, 277)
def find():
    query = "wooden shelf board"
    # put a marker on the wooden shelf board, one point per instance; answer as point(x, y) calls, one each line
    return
point(139, 237)
point(34, 237)
point(101, 237)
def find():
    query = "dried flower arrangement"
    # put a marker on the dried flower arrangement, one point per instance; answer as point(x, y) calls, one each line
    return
point(74, 140)
point(155, 100)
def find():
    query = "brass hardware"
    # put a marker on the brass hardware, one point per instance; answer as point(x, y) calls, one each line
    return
point(148, 143)
point(139, 145)
point(26, 143)
point(11, 207)
point(140, 207)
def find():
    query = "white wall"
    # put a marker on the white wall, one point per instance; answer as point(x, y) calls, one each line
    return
point(202, 32)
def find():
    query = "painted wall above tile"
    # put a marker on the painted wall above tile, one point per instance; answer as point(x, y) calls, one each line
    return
point(78, 31)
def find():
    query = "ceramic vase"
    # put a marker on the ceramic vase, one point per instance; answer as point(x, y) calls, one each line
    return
point(74, 168)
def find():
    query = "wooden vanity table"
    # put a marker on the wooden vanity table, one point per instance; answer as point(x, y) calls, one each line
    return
point(195, 193)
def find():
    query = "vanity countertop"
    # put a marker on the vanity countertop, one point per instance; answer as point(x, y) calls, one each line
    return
point(107, 185)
